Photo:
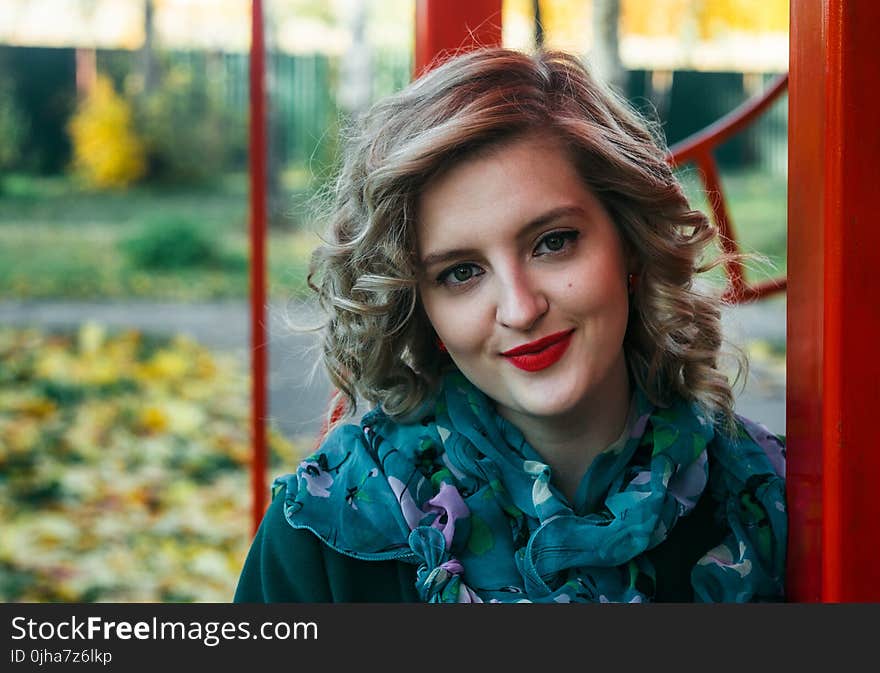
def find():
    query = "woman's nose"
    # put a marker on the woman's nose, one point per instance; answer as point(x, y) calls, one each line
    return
point(520, 302)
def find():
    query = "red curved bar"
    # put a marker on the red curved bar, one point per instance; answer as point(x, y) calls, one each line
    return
point(729, 125)
point(698, 149)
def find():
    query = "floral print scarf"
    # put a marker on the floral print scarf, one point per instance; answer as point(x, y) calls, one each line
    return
point(462, 495)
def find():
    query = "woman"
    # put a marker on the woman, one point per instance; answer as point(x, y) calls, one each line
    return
point(509, 275)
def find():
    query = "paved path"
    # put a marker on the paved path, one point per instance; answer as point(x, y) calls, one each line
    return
point(298, 396)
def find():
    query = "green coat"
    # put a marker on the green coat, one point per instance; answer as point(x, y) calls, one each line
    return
point(287, 565)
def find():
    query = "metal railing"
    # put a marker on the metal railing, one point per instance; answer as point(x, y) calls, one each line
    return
point(698, 149)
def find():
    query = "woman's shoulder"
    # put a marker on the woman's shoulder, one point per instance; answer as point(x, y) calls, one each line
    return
point(287, 564)
point(339, 495)
point(283, 564)
point(772, 445)
point(749, 449)
point(746, 465)
point(747, 471)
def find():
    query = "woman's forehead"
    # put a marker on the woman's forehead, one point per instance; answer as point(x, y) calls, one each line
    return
point(518, 181)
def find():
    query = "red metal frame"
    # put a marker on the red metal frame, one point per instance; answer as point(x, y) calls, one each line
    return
point(833, 318)
point(834, 141)
point(259, 354)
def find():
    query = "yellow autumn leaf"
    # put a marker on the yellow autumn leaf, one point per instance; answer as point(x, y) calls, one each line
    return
point(54, 363)
point(21, 435)
point(165, 366)
point(183, 418)
point(153, 419)
point(38, 407)
point(97, 371)
point(91, 337)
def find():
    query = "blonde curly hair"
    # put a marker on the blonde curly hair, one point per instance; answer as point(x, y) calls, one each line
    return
point(378, 343)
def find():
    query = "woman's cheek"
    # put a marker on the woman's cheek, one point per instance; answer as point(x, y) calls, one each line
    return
point(459, 324)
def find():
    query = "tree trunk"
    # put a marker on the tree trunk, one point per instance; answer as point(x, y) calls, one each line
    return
point(605, 58)
point(356, 78)
point(148, 66)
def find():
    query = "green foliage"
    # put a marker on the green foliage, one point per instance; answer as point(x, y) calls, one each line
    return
point(191, 136)
point(41, 88)
point(13, 125)
point(170, 242)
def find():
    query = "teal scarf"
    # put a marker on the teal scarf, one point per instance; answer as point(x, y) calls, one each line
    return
point(462, 495)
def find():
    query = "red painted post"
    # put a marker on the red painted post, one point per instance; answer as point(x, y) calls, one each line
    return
point(257, 158)
point(833, 317)
point(451, 25)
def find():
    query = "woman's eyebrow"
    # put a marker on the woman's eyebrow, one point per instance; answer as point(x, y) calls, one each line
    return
point(536, 223)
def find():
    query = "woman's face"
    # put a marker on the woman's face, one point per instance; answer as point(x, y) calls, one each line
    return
point(525, 279)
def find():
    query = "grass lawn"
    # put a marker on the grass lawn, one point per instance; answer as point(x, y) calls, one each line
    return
point(57, 241)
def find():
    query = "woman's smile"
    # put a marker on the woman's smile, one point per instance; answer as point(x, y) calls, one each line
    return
point(540, 354)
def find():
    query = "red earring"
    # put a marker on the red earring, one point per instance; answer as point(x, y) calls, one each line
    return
point(440, 345)
point(631, 281)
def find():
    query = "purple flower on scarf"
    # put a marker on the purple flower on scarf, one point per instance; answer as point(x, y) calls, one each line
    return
point(317, 480)
point(769, 442)
point(687, 485)
point(723, 557)
point(639, 426)
point(449, 506)
point(408, 506)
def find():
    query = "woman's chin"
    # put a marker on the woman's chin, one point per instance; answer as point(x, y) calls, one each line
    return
point(549, 398)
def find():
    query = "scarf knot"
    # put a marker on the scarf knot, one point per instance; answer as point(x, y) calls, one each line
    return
point(438, 577)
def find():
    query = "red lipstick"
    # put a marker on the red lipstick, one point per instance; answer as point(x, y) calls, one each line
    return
point(537, 355)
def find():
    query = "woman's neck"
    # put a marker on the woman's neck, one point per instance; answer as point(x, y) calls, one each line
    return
point(570, 442)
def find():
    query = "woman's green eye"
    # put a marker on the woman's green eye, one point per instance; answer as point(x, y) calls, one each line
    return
point(459, 275)
point(551, 244)
point(554, 242)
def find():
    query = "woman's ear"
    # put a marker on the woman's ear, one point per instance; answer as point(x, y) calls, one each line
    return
point(631, 258)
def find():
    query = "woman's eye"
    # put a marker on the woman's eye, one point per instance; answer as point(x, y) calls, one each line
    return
point(555, 242)
point(459, 274)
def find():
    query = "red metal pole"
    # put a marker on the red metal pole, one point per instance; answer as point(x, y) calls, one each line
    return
point(258, 262)
point(833, 320)
point(446, 26)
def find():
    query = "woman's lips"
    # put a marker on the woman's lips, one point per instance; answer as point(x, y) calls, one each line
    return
point(540, 354)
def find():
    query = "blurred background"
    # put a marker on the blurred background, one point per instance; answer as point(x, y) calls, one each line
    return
point(124, 334)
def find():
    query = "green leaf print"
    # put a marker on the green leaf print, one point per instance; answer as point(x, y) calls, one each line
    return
point(481, 539)
point(664, 437)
